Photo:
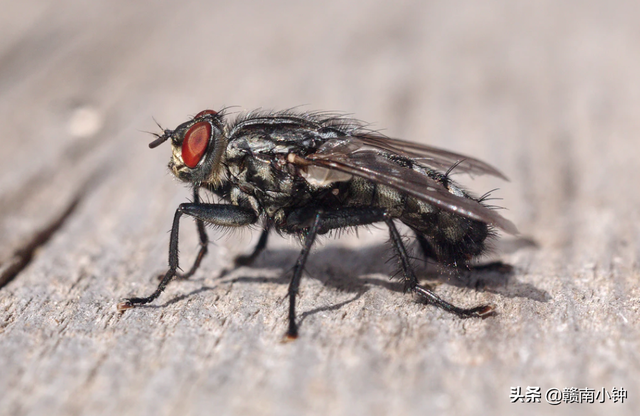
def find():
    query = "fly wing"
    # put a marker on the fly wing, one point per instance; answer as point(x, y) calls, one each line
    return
point(434, 157)
point(346, 156)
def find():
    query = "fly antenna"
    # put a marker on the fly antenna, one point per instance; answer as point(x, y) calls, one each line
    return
point(159, 138)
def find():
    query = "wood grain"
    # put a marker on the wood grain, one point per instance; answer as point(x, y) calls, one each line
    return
point(546, 91)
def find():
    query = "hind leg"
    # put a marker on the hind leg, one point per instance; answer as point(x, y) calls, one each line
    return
point(411, 282)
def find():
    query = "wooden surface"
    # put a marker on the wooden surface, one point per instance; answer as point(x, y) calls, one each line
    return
point(547, 91)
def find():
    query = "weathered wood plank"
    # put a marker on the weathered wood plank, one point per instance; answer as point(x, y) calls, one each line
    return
point(546, 91)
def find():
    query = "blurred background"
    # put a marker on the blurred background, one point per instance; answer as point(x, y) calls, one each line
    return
point(546, 91)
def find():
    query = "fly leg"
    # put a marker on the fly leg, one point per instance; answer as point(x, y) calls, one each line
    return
point(309, 239)
point(313, 222)
point(411, 282)
point(247, 259)
point(204, 241)
point(220, 214)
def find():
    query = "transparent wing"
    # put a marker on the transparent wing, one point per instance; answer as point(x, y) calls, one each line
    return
point(429, 156)
point(349, 156)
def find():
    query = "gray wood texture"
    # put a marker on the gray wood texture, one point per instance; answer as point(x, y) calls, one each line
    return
point(547, 91)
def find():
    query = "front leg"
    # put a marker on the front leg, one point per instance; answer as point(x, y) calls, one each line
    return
point(225, 215)
point(247, 259)
point(204, 242)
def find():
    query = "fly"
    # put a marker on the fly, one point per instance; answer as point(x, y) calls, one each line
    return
point(309, 173)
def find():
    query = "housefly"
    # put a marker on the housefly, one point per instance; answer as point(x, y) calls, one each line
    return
point(309, 173)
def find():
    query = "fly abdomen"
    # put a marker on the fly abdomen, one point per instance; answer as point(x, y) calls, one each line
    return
point(447, 237)
point(450, 239)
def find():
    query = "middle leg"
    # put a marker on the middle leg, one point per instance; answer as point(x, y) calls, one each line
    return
point(311, 223)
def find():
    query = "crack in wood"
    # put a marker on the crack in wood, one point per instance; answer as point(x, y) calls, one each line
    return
point(23, 256)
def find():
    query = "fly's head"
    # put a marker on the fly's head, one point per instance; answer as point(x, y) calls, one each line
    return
point(198, 146)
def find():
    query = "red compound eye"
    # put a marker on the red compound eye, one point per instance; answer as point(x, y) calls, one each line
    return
point(195, 143)
point(205, 112)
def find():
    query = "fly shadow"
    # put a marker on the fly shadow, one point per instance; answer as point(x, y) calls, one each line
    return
point(355, 270)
